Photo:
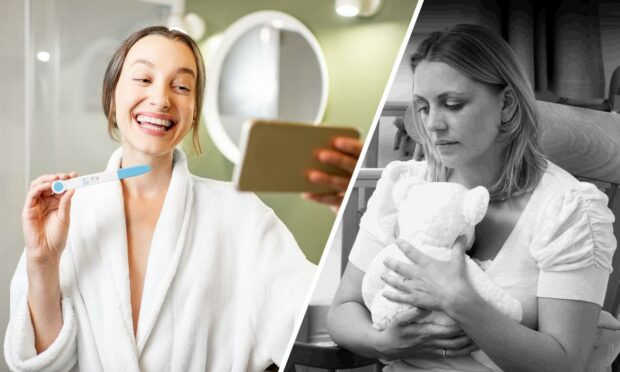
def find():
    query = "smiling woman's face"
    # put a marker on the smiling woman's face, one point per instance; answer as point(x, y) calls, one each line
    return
point(154, 98)
point(461, 116)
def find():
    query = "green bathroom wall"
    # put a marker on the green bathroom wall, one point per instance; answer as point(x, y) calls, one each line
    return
point(360, 54)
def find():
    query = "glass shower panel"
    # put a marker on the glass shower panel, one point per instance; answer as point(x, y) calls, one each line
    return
point(70, 44)
point(12, 149)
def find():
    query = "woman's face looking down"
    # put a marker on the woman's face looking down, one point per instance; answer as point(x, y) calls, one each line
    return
point(154, 98)
point(461, 116)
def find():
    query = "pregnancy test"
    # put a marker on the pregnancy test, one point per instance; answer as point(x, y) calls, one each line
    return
point(59, 187)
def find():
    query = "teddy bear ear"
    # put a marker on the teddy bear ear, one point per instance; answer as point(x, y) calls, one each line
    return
point(402, 187)
point(475, 204)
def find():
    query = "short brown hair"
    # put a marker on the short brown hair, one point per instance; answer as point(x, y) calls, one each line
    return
point(113, 72)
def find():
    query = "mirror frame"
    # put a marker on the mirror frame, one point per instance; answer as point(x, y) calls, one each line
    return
point(214, 67)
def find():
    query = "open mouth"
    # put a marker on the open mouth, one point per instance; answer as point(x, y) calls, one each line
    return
point(154, 124)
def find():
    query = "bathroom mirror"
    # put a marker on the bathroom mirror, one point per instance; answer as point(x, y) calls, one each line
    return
point(268, 65)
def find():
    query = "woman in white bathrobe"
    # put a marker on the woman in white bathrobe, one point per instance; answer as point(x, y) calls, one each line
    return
point(161, 272)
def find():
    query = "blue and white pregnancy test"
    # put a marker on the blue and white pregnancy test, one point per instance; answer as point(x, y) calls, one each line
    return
point(59, 187)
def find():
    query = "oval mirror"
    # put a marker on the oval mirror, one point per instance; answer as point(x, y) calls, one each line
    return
point(268, 65)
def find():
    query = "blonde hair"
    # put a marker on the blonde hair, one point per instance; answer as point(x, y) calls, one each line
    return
point(113, 72)
point(486, 58)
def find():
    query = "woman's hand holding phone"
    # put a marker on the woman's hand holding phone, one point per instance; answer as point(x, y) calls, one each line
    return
point(344, 155)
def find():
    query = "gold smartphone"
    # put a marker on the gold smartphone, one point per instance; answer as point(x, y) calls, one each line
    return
point(276, 155)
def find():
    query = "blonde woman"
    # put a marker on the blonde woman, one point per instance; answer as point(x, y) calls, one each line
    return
point(546, 239)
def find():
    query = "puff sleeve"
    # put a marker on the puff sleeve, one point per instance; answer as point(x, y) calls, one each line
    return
point(378, 226)
point(573, 245)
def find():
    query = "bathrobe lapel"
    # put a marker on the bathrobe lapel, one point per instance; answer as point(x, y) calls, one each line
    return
point(164, 256)
point(169, 240)
point(112, 320)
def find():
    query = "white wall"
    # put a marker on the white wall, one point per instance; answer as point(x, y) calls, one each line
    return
point(12, 153)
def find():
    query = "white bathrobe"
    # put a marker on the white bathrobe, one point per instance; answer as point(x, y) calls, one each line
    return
point(224, 285)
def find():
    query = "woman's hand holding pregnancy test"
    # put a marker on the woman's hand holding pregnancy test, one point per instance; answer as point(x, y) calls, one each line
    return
point(45, 221)
point(46, 213)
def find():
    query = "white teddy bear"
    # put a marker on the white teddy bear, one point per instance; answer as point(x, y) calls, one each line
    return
point(431, 216)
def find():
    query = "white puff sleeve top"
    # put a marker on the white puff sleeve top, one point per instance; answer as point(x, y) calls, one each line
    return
point(561, 246)
point(573, 244)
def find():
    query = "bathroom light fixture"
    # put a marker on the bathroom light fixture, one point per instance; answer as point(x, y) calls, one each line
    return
point(189, 23)
point(277, 23)
point(352, 8)
point(43, 56)
point(195, 25)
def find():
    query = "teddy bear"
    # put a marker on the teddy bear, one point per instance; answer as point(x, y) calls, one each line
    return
point(431, 216)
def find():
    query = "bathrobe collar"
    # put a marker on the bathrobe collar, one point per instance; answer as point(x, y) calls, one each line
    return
point(166, 246)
